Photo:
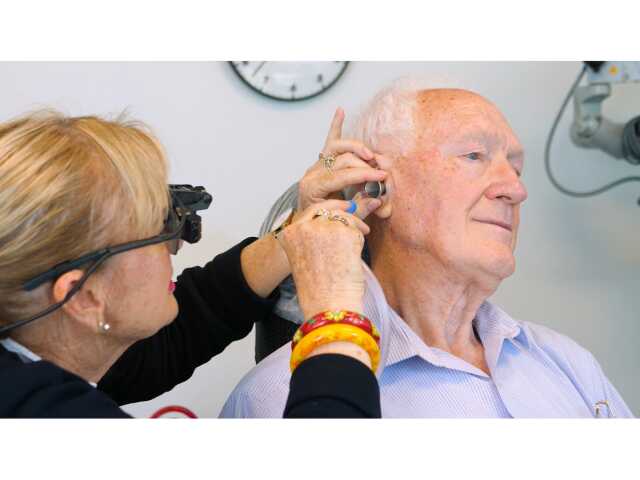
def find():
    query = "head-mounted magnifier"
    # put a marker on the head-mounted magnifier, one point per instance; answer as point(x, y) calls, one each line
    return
point(183, 219)
point(182, 224)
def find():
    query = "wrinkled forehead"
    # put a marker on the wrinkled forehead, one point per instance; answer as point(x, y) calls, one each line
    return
point(446, 115)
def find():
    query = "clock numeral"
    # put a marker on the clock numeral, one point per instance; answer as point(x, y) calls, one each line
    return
point(288, 82)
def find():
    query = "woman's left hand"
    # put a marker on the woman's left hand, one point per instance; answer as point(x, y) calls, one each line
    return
point(354, 164)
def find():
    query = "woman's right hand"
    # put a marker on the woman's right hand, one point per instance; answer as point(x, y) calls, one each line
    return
point(325, 255)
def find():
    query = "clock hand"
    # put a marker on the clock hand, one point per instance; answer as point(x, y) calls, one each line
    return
point(258, 69)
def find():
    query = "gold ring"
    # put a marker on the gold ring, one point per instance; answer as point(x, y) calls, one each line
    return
point(339, 218)
point(328, 160)
point(322, 213)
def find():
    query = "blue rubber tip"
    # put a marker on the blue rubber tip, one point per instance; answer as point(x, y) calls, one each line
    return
point(353, 206)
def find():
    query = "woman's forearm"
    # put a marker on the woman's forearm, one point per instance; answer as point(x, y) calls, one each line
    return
point(264, 265)
point(333, 386)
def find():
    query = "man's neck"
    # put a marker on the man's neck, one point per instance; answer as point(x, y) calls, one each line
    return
point(438, 305)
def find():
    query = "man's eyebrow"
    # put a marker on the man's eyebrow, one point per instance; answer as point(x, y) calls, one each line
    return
point(516, 153)
point(471, 133)
point(468, 137)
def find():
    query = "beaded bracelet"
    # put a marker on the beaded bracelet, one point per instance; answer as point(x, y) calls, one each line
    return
point(337, 317)
point(335, 333)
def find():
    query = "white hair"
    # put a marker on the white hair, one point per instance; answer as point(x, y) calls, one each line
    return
point(388, 118)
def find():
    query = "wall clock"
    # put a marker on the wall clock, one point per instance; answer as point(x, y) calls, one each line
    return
point(289, 81)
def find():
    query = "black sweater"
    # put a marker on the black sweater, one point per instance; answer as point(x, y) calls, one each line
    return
point(216, 308)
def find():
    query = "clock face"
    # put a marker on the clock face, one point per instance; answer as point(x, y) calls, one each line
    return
point(290, 81)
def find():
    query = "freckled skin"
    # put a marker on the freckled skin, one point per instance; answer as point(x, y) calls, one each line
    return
point(146, 272)
point(444, 238)
point(438, 195)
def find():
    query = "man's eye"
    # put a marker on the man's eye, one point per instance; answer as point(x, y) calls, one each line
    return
point(472, 156)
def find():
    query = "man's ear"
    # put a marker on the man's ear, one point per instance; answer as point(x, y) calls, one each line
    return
point(385, 162)
point(86, 305)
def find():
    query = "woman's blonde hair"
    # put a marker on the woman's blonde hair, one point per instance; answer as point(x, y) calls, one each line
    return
point(69, 186)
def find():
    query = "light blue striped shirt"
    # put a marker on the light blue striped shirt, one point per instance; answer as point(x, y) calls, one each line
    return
point(535, 372)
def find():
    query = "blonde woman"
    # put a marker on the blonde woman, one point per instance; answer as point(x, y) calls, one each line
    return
point(89, 316)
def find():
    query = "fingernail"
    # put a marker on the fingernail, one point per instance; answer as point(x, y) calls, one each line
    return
point(368, 152)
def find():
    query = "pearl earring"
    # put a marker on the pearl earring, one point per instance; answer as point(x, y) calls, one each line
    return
point(104, 327)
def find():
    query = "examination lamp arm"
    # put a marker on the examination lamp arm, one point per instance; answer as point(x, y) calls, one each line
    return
point(590, 129)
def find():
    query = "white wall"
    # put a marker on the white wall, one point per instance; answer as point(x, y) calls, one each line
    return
point(578, 260)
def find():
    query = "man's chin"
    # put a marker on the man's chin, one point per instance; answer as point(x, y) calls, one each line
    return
point(504, 267)
point(499, 264)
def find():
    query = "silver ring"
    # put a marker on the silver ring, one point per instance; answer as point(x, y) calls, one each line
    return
point(338, 218)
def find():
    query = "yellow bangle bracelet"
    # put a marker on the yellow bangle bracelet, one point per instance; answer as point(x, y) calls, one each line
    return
point(335, 333)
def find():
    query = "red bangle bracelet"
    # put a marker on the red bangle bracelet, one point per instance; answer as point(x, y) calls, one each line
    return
point(335, 317)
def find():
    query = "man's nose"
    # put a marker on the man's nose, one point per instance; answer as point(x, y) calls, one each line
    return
point(506, 185)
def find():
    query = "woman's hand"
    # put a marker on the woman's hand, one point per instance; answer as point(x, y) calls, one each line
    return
point(323, 246)
point(354, 164)
point(264, 264)
point(325, 257)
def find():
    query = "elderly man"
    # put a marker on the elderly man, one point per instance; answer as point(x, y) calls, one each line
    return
point(440, 246)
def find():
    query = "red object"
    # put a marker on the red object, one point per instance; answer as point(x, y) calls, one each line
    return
point(174, 409)
point(332, 318)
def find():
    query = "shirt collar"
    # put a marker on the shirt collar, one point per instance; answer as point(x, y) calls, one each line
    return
point(494, 326)
point(26, 355)
point(492, 320)
point(401, 343)
point(23, 352)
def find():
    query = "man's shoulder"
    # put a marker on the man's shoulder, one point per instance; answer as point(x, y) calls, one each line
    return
point(554, 342)
point(263, 391)
point(543, 337)
point(579, 365)
point(551, 347)
point(574, 360)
